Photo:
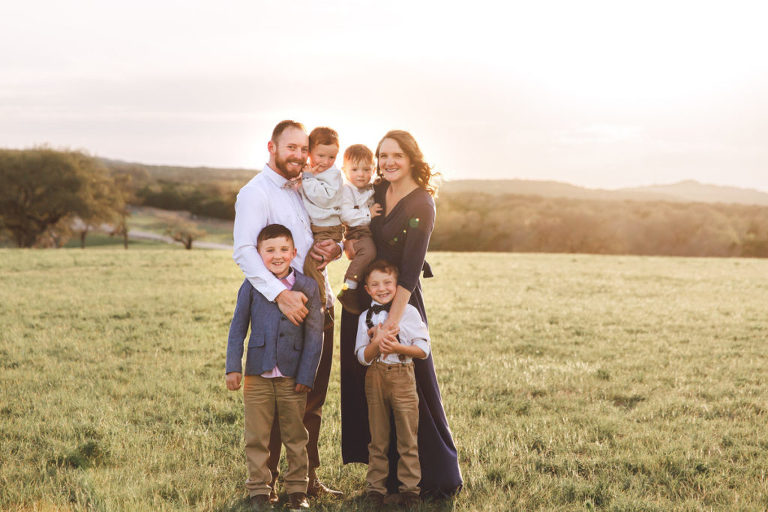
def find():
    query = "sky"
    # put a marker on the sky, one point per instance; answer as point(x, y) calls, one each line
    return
point(599, 94)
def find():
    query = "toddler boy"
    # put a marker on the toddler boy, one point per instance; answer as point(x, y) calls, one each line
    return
point(357, 210)
point(321, 190)
point(390, 384)
point(279, 370)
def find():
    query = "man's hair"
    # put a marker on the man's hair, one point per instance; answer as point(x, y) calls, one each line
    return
point(358, 153)
point(284, 125)
point(381, 266)
point(323, 135)
point(271, 231)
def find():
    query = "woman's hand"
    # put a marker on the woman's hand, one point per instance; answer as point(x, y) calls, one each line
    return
point(376, 210)
point(301, 388)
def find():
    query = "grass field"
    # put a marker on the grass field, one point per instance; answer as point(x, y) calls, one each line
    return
point(570, 382)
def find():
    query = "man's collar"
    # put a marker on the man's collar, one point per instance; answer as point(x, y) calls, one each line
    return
point(273, 176)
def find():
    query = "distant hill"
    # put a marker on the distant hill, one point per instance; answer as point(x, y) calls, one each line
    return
point(686, 191)
point(691, 190)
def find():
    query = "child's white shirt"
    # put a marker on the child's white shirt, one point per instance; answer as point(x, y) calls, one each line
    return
point(322, 195)
point(413, 331)
point(356, 205)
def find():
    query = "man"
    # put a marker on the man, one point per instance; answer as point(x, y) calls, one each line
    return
point(272, 197)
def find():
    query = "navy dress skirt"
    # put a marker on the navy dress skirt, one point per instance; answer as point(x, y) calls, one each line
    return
point(401, 238)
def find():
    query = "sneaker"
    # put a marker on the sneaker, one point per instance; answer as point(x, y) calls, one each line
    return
point(348, 299)
point(297, 502)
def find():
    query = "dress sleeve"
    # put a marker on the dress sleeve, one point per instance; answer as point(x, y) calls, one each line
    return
point(418, 228)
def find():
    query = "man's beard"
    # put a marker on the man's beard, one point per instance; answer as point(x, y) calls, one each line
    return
point(282, 166)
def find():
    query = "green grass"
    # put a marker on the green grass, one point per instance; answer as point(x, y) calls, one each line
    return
point(570, 382)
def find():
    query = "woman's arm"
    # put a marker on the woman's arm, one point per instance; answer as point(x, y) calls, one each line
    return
point(402, 296)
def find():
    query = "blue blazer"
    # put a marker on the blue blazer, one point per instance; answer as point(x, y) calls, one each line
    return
point(274, 340)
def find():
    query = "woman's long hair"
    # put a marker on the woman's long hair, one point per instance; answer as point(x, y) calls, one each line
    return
point(420, 170)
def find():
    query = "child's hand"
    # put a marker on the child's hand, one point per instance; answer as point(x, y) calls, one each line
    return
point(376, 210)
point(233, 381)
point(389, 344)
point(313, 168)
point(301, 388)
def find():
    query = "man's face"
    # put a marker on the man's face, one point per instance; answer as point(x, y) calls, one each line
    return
point(323, 156)
point(358, 173)
point(289, 154)
point(381, 286)
point(277, 254)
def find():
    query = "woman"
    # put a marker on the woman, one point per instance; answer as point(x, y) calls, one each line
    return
point(401, 234)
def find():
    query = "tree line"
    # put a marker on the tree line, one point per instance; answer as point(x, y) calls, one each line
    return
point(485, 222)
point(47, 196)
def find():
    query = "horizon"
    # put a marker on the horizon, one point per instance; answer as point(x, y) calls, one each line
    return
point(258, 169)
point(597, 95)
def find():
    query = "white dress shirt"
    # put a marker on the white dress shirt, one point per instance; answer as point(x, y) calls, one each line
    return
point(356, 205)
point(262, 201)
point(413, 331)
point(322, 196)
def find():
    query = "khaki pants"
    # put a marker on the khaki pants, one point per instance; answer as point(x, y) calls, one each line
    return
point(262, 398)
point(392, 386)
point(313, 414)
point(365, 252)
point(335, 233)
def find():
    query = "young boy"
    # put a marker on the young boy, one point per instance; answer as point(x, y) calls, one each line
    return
point(279, 370)
point(321, 190)
point(357, 210)
point(390, 383)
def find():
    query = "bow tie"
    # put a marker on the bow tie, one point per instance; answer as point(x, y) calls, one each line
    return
point(378, 308)
point(292, 184)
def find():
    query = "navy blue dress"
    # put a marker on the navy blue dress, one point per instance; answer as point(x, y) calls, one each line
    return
point(401, 238)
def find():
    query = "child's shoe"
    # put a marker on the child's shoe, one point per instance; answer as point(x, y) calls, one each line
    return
point(297, 502)
point(375, 500)
point(348, 299)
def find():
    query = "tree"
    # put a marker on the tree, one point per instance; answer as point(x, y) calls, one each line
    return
point(182, 230)
point(41, 187)
point(122, 211)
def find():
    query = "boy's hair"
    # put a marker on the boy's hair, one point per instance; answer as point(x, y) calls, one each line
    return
point(381, 266)
point(358, 153)
point(271, 231)
point(323, 135)
point(284, 125)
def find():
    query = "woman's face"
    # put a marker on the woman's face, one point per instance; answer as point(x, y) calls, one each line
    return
point(394, 164)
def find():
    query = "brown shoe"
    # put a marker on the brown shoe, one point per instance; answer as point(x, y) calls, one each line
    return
point(375, 499)
point(409, 499)
point(317, 489)
point(260, 502)
point(348, 299)
point(297, 502)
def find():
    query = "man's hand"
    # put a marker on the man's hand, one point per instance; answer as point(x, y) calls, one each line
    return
point(233, 381)
point(301, 388)
point(376, 210)
point(325, 251)
point(291, 304)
